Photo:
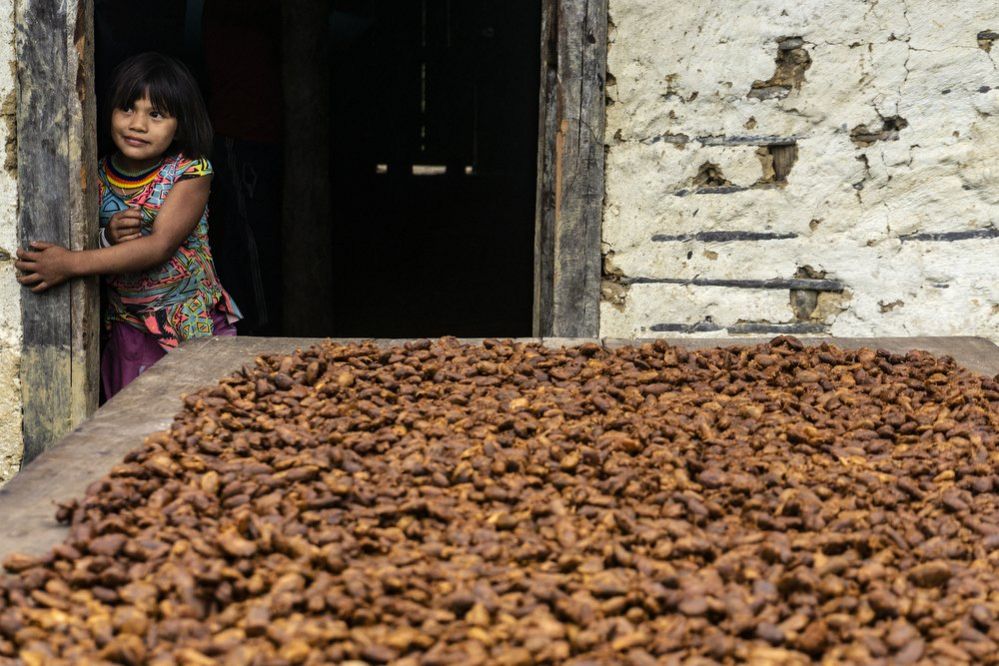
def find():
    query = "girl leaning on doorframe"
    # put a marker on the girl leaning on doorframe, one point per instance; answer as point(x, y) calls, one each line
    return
point(161, 283)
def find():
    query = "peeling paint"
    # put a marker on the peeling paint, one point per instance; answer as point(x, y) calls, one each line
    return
point(803, 303)
point(777, 161)
point(830, 305)
point(614, 294)
point(612, 290)
point(886, 129)
point(986, 38)
point(792, 62)
point(709, 175)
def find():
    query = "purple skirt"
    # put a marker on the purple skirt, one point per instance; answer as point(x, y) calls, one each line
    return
point(130, 352)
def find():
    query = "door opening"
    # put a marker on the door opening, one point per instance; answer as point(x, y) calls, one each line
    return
point(435, 108)
point(432, 126)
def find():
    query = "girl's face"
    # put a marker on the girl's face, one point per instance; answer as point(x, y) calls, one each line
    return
point(142, 132)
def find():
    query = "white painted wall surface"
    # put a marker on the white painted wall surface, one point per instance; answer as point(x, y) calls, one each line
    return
point(10, 303)
point(896, 123)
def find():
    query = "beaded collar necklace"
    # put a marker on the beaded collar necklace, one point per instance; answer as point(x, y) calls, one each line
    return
point(131, 180)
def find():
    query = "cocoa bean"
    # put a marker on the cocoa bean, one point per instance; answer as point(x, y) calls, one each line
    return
point(931, 574)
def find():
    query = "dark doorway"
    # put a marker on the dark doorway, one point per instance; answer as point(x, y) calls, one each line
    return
point(435, 108)
point(433, 151)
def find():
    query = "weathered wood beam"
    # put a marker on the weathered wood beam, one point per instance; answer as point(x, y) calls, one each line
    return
point(83, 210)
point(55, 155)
point(571, 168)
point(57, 203)
point(307, 220)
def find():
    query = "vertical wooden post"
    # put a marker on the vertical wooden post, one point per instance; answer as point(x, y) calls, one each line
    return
point(57, 203)
point(570, 168)
point(307, 219)
point(83, 212)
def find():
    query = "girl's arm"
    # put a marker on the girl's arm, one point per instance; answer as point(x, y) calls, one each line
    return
point(48, 265)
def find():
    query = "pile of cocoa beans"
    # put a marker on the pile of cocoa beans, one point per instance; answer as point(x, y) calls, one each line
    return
point(504, 503)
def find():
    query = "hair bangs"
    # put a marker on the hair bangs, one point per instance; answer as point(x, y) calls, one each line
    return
point(124, 96)
point(163, 96)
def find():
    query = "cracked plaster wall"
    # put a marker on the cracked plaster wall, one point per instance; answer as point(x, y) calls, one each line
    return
point(887, 113)
point(10, 304)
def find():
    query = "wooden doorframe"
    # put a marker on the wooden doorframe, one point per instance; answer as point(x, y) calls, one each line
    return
point(569, 207)
point(56, 164)
point(57, 153)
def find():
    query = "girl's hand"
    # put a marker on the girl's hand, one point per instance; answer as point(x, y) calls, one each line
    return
point(46, 266)
point(125, 225)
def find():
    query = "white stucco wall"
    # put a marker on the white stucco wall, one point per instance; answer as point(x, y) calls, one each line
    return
point(10, 304)
point(893, 106)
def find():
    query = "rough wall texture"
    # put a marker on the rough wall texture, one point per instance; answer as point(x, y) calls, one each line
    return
point(10, 304)
point(802, 166)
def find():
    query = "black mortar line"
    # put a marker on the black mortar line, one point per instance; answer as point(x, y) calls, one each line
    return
point(773, 283)
point(951, 236)
point(725, 236)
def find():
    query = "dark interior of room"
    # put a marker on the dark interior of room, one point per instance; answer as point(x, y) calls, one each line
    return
point(433, 121)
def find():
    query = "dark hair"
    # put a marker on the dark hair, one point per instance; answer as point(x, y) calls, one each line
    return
point(171, 88)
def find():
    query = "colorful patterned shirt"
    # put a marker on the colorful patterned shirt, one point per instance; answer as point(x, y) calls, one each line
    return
point(172, 302)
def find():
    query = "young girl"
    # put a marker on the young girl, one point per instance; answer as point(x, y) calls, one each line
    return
point(161, 282)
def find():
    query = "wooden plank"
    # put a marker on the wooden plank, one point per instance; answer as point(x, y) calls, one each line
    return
point(544, 208)
point(28, 501)
point(85, 308)
point(571, 168)
point(44, 173)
